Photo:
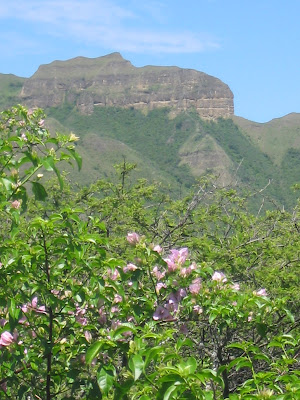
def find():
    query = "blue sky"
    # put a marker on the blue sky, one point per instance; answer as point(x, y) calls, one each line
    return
point(253, 46)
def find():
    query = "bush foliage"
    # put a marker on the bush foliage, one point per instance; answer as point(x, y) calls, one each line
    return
point(119, 292)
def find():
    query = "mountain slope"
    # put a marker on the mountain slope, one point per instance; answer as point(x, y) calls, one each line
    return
point(10, 89)
point(274, 138)
point(175, 124)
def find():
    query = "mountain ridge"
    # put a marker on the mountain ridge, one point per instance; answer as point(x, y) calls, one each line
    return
point(113, 81)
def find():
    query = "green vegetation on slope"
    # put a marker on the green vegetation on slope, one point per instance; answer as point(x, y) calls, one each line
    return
point(255, 169)
point(10, 87)
point(159, 140)
point(155, 136)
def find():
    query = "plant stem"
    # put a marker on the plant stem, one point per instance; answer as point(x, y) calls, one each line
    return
point(50, 336)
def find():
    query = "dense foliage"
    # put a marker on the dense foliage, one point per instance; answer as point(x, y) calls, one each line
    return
point(119, 292)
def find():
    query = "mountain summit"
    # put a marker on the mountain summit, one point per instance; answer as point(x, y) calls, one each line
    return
point(113, 81)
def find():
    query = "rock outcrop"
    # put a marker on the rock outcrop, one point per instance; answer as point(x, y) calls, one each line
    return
point(113, 81)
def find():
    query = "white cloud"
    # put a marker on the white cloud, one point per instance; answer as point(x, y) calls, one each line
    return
point(103, 23)
point(55, 11)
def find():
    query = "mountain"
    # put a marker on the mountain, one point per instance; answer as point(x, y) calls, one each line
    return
point(115, 82)
point(175, 124)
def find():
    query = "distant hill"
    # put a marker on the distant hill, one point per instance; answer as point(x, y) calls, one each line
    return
point(175, 124)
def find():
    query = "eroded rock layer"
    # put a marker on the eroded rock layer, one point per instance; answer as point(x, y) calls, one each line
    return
point(113, 81)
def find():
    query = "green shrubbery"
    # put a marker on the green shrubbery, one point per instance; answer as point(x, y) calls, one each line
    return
point(119, 292)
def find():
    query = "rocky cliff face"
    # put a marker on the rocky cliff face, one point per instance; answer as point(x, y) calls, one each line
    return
point(113, 81)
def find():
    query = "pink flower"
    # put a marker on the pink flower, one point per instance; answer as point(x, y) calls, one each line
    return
point(184, 329)
point(102, 314)
point(157, 273)
point(23, 320)
point(115, 324)
point(158, 249)
point(235, 286)
point(79, 316)
point(261, 292)
point(133, 238)
point(113, 274)
point(6, 338)
point(195, 286)
point(3, 322)
point(34, 305)
point(187, 271)
point(16, 204)
point(88, 336)
point(176, 258)
point(129, 267)
point(34, 302)
point(219, 277)
point(41, 123)
point(3, 386)
point(118, 298)
point(24, 308)
point(33, 334)
point(250, 316)
point(174, 299)
point(198, 309)
point(127, 333)
point(181, 293)
point(41, 310)
point(159, 286)
point(171, 264)
point(162, 314)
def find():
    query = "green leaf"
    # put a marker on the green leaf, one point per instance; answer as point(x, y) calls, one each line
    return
point(243, 364)
point(212, 317)
point(237, 346)
point(123, 328)
point(290, 315)
point(93, 351)
point(60, 180)
point(188, 367)
point(171, 377)
point(7, 184)
point(76, 157)
point(136, 364)
point(13, 310)
point(172, 389)
point(39, 191)
point(151, 354)
point(48, 163)
point(105, 379)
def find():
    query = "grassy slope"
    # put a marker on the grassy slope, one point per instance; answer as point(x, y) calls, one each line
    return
point(280, 139)
point(10, 87)
point(275, 137)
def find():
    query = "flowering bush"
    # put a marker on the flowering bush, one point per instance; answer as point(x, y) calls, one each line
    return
point(87, 315)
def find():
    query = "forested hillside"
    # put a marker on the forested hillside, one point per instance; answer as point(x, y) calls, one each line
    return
point(167, 142)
